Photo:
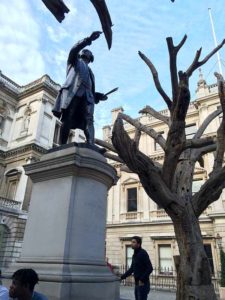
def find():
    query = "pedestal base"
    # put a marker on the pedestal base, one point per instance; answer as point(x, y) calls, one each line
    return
point(64, 239)
point(69, 282)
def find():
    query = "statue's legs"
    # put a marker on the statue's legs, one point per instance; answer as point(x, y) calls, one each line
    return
point(80, 109)
point(64, 132)
point(89, 130)
point(68, 119)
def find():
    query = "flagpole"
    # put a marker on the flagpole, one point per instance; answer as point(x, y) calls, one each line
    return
point(215, 41)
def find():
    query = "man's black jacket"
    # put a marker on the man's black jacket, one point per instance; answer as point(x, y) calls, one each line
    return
point(141, 266)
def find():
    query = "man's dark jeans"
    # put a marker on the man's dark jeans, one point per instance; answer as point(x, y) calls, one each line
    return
point(141, 292)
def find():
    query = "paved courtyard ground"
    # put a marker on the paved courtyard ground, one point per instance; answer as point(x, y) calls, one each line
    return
point(127, 293)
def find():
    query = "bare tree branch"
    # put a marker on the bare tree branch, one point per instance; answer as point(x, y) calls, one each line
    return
point(124, 168)
point(106, 145)
point(196, 63)
point(156, 79)
point(176, 135)
point(137, 137)
point(173, 63)
point(149, 110)
point(138, 162)
point(219, 157)
point(113, 157)
point(180, 45)
point(149, 131)
point(198, 153)
point(199, 143)
point(191, 69)
point(209, 192)
point(206, 122)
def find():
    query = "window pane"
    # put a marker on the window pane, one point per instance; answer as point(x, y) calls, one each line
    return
point(190, 130)
point(132, 199)
point(12, 189)
point(196, 185)
point(129, 254)
point(132, 194)
point(165, 257)
point(208, 251)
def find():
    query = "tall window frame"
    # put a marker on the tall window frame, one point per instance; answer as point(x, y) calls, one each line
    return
point(129, 255)
point(12, 182)
point(165, 259)
point(132, 199)
point(209, 254)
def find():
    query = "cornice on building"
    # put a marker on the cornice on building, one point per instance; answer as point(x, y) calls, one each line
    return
point(44, 82)
point(22, 149)
point(203, 219)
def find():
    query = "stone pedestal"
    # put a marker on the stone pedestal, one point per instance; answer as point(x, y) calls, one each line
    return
point(65, 233)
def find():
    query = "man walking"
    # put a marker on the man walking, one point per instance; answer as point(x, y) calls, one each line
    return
point(141, 268)
point(77, 97)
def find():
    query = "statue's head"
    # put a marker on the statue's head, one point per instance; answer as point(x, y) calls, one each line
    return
point(87, 55)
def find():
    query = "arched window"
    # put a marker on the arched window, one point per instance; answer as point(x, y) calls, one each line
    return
point(12, 180)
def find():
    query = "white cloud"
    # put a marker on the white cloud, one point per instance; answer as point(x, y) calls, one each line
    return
point(57, 35)
point(33, 42)
point(20, 58)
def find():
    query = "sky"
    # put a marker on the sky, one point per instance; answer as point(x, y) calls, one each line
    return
point(33, 43)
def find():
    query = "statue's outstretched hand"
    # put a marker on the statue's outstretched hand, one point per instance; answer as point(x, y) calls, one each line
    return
point(95, 35)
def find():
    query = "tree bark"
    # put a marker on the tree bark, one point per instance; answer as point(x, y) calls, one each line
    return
point(194, 274)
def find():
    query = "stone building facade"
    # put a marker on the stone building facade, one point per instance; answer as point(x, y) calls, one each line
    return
point(27, 130)
point(131, 212)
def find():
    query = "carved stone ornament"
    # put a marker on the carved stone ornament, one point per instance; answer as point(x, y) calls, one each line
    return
point(4, 112)
point(26, 118)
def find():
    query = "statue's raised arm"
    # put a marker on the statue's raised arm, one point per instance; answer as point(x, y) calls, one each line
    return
point(74, 52)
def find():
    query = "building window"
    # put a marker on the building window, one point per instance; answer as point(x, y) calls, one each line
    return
point(12, 181)
point(131, 199)
point(12, 187)
point(165, 259)
point(56, 135)
point(196, 185)
point(208, 251)
point(129, 254)
point(157, 147)
point(190, 131)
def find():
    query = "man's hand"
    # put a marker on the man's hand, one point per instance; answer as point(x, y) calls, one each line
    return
point(95, 35)
point(140, 283)
point(100, 97)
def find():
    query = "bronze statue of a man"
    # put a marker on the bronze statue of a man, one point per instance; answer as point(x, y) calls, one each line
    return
point(76, 99)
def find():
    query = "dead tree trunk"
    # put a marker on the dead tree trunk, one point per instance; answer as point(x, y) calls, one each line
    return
point(194, 281)
point(170, 184)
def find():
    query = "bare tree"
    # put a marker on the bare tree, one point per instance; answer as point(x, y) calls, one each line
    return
point(170, 184)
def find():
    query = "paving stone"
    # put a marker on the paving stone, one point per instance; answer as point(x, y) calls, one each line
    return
point(127, 293)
